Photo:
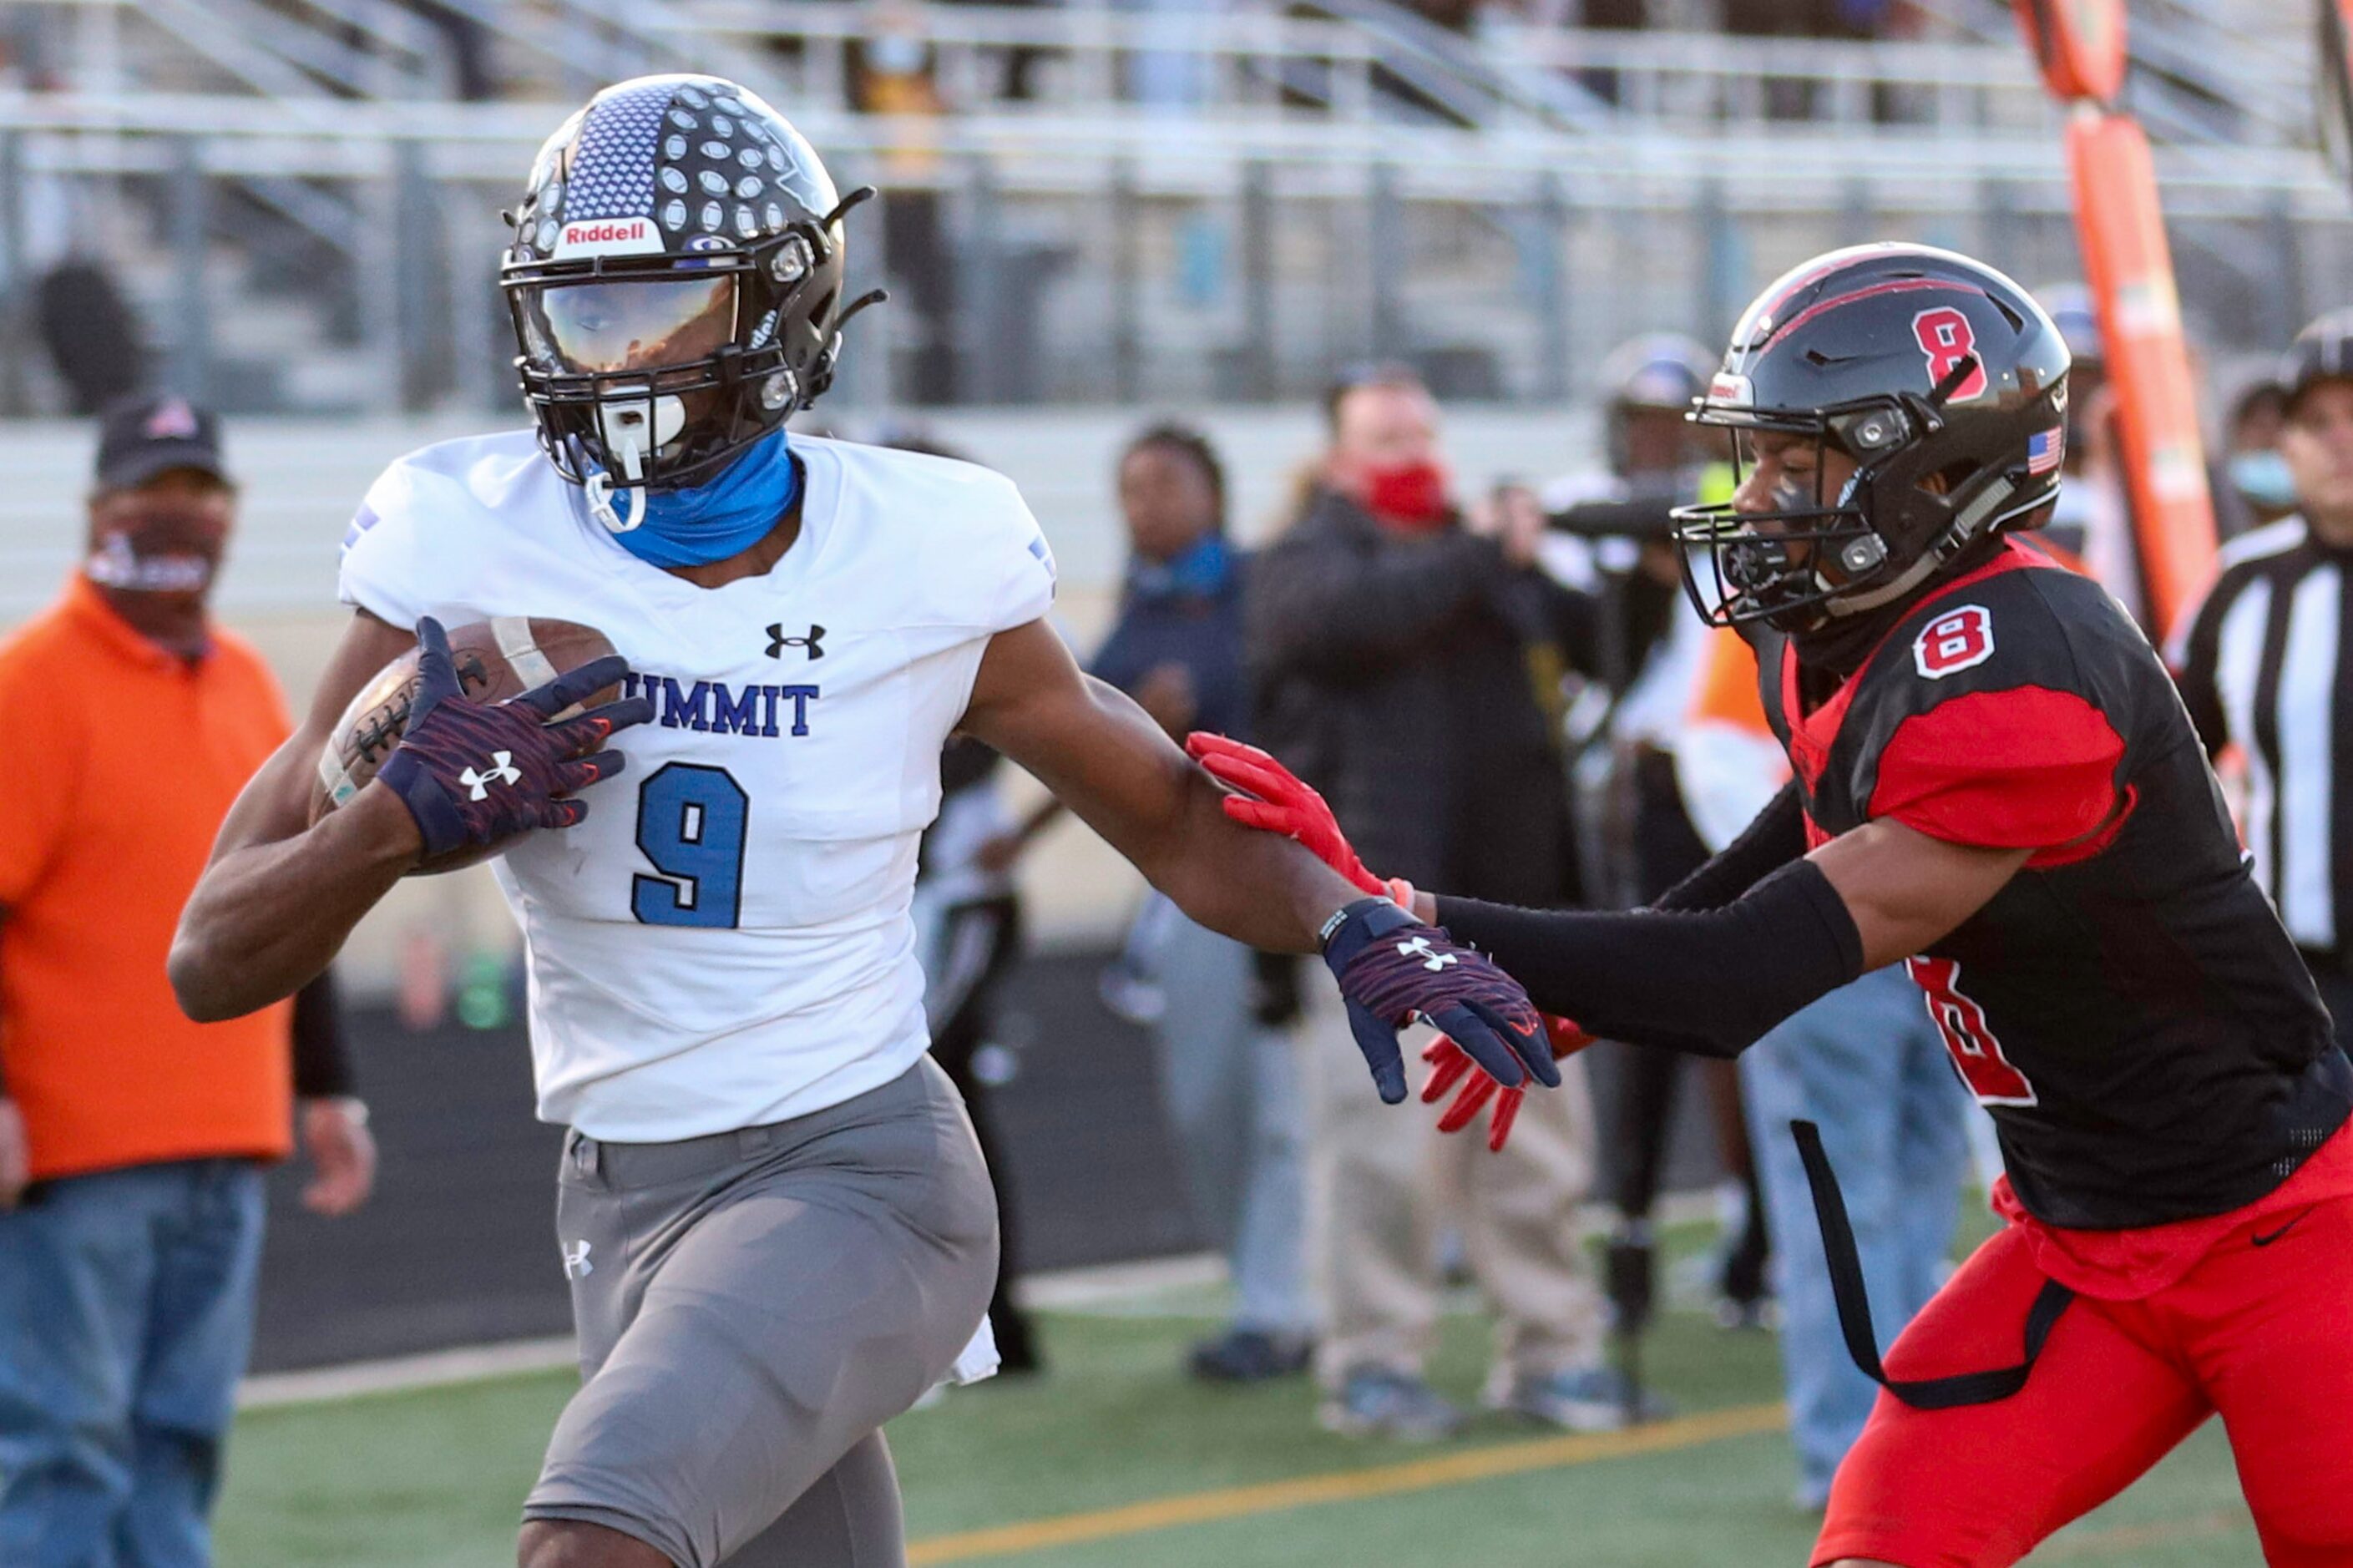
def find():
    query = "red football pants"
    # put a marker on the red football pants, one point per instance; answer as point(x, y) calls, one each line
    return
point(2263, 1335)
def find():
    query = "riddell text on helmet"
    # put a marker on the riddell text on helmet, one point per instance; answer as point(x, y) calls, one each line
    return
point(617, 236)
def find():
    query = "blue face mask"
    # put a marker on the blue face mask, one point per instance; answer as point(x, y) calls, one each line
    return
point(2263, 478)
point(721, 517)
point(1197, 571)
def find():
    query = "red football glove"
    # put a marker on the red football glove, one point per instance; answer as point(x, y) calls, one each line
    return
point(1449, 1063)
point(1286, 805)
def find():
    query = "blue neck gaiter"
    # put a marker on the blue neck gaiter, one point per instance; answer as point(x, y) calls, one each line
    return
point(1197, 571)
point(721, 517)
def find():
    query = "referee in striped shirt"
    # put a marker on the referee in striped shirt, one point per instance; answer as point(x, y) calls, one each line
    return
point(2266, 664)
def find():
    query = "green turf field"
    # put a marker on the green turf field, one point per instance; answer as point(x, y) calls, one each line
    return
point(1116, 1461)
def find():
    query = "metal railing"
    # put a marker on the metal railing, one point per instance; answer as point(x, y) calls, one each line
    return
point(1109, 256)
point(1104, 240)
point(2197, 77)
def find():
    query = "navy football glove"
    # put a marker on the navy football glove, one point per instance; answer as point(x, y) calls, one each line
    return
point(1390, 967)
point(476, 774)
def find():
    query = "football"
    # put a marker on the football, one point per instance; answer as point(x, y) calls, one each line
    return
point(496, 659)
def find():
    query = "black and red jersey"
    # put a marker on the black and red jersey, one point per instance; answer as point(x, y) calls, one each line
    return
point(2128, 1005)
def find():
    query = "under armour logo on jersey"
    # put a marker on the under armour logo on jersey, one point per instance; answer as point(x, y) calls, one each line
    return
point(502, 770)
point(576, 1261)
point(778, 641)
point(1431, 958)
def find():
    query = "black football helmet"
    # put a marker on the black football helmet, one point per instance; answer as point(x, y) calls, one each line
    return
point(676, 281)
point(2322, 352)
point(1944, 383)
point(1657, 372)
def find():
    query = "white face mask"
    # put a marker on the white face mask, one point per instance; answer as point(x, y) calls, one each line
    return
point(114, 565)
point(2263, 478)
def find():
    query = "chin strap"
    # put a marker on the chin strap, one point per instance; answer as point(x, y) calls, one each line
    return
point(598, 487)
point(1965, 531)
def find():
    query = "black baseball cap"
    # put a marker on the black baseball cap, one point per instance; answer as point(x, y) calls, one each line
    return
point(2322, 352)
point(140, 437)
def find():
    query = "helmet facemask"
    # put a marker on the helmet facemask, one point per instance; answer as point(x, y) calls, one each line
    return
point(1811, 559)
point(654, 376)
point(1940, 380)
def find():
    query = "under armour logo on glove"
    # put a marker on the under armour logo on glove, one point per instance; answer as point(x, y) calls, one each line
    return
point(575, 1262)
point(1422, 972)
point(502, 770)
point(1431, 959)
point(544, 764)
point(778, 641)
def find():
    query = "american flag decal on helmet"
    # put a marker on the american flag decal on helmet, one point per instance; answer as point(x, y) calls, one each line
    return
point(2046, 450)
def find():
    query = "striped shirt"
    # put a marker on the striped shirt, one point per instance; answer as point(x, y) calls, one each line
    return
point(2266, 664)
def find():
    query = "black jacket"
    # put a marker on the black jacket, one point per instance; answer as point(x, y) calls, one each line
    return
point(1414, 680)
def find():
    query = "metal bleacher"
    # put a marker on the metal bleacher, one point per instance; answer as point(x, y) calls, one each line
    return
point(1184, 202)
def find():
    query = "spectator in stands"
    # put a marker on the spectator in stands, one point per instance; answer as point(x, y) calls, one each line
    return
point(1808, 18)
point(894, 76)
point(968, 934)
point(131, 1141)
point(967, 917)
point(91, 332)
point(1867, 1065)
point(1227, 1073)
point(2257, 470)
point(1656, 460)
point(1410, 668)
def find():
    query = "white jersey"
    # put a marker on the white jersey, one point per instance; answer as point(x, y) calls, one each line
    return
point(725, 941)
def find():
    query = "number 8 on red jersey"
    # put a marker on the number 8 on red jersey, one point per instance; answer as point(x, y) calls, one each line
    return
point(1960, 638)
point(1977, 1055)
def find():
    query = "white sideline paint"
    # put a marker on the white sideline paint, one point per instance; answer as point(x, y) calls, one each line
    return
point(1103, 1287)
point(433, 1369)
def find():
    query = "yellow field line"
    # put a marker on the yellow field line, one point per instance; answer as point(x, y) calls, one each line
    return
point(1343, 1485)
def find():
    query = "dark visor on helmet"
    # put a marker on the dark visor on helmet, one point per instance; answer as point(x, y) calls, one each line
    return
point(593, 328)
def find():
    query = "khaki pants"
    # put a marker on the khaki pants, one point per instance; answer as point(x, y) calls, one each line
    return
point(1382, 1184)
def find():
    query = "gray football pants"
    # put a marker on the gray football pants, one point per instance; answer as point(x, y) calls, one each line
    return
point(752, 1306)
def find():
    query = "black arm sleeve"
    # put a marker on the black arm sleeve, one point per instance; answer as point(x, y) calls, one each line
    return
point(323, 1067)
point(1775, 839)
point(1709, 983)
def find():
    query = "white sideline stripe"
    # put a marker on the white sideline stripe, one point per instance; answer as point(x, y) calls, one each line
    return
point(1110, 1284)
point(1061, 1290)
point(433, 1369)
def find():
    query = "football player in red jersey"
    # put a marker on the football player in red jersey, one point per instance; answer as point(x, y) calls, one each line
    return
point(1997, 786)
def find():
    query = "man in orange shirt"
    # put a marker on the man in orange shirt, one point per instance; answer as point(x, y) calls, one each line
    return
point(131, 1141)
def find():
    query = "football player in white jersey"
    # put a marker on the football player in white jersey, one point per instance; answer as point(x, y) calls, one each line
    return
point(777, 1225)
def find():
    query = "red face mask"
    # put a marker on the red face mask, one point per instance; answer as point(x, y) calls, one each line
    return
point(1410, 496)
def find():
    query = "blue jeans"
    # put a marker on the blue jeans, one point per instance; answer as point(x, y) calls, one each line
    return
point(126, 1314)
point(1867, 1064)
point(1231, 1090)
